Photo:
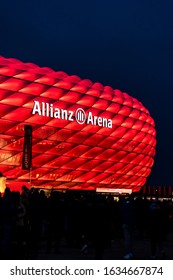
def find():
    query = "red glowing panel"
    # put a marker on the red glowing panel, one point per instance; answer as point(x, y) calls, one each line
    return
point(85, 135)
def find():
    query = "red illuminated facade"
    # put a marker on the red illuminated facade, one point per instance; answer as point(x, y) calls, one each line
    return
point(84, 135)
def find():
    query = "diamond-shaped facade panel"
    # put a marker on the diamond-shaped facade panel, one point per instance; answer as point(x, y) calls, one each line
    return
point(84, 135)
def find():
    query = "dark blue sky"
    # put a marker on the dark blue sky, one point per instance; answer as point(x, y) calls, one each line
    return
point(126, 44)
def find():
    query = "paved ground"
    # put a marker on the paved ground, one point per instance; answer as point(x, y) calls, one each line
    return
point(141, 251)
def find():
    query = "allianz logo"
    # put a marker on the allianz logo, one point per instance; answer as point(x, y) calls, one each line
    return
point(79, 115)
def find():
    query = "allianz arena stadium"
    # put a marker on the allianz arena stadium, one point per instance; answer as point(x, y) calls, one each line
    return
point(61, 132)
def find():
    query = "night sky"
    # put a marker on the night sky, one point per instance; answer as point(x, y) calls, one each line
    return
point(125, 44)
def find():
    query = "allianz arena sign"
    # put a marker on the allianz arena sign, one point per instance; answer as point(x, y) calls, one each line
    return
point(85, 136)
point(80, 116)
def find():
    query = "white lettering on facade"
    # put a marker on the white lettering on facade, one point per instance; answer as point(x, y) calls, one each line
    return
point(36, 109)
point(70, 117)
point(48, 110)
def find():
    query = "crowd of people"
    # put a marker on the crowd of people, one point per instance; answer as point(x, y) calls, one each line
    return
point(81, 220)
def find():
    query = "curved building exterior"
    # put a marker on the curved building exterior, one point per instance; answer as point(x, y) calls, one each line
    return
point(84, 135)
